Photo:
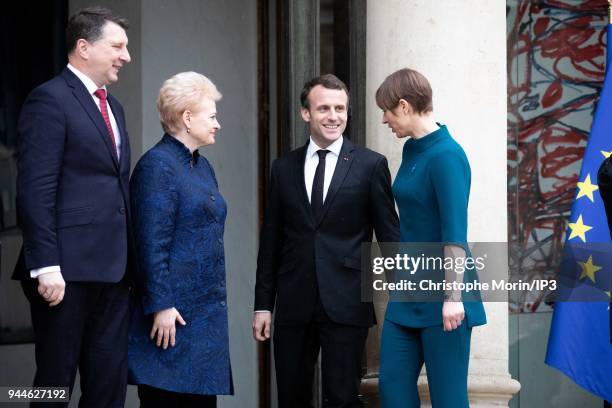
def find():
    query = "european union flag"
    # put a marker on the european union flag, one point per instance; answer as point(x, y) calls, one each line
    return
point(579, 341)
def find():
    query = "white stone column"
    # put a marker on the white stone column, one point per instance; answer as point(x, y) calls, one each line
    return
point(460, 46)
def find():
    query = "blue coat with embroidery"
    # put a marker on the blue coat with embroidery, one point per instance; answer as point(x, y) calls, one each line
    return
point(179, 218)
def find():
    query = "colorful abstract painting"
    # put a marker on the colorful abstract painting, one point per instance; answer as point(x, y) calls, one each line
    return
point(556, 58)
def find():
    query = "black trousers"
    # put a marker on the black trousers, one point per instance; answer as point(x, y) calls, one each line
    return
point(151, 397)
point(87, 330)
point(296, 349)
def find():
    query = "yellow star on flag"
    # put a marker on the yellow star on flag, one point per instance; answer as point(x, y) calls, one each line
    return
point(606, 154)
point(586, 188)
point(579, 229)
point(589, 269)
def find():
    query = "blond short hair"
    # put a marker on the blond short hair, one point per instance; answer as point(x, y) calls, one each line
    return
point(182, 92)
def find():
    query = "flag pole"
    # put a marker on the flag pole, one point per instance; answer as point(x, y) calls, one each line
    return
point(607, 403)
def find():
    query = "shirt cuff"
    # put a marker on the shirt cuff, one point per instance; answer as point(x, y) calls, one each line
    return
point(35, 273)
point(262, 311)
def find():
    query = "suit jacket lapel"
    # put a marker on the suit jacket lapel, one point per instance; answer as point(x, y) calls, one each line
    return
point(86, 100)
point(300, 183)
point(120, 125)
point(345, 159)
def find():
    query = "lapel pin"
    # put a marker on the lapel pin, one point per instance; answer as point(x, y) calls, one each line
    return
point(345, 158)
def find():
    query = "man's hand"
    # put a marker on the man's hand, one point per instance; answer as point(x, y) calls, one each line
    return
point(262, 321)
point(165, 328)
point(452, 315)
point(51, 286)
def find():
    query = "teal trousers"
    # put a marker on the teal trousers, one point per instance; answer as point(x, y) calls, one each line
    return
point(446, 356)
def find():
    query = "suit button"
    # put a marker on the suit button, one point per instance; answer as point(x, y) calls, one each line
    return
point(212, 197)
point(222, 303)
point(122, 210)
point(220, 240)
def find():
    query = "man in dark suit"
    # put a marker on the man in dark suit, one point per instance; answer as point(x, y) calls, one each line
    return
point(325, 200)
point(72, 198)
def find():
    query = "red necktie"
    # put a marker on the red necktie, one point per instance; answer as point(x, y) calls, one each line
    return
point(101, 94)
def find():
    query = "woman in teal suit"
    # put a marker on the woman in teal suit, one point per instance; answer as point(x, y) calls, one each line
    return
point(431, 190)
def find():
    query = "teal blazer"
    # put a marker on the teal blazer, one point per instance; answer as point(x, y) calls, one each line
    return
point(432, 189)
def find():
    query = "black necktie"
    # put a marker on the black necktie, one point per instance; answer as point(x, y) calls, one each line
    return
point(316, 197)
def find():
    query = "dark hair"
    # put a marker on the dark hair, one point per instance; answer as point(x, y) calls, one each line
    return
point(87, 24)
point(406, 84)
point(328, 81)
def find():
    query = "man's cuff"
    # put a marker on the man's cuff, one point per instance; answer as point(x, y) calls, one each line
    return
point(35, 273)
point(262, 311)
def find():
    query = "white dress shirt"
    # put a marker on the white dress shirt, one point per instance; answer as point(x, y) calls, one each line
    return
point(91, 88)
point(312, 160)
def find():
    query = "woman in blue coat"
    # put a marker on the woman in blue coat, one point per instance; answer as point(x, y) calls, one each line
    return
point(431, 190)
point(178, 343)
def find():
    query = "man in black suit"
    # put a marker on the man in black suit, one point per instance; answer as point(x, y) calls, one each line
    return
point(72, 199)
point(325, 200)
